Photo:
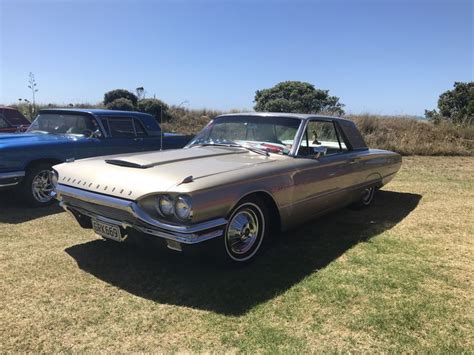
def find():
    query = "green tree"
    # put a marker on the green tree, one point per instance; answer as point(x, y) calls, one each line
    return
point(296, 96)
point(122, 104)
point(154, 107)
point(455, 106)
point(113, 95)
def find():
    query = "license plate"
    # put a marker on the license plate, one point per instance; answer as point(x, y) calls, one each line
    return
point(106, 230)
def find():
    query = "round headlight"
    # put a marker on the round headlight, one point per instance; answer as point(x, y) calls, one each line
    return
point(183, 207)
point(165, 206)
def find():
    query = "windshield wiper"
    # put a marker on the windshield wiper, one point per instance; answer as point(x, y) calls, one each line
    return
point(236, 145)
point(37, 131)
point(253, 149)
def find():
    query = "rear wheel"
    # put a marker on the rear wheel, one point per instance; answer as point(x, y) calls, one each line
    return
point(246, 231)
point(366, 198)
point(37, 185)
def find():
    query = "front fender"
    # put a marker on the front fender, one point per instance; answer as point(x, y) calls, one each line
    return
point(219, 201)
point(20, 159)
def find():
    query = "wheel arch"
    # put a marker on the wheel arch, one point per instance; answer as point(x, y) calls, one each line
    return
point(374, 179)
point(270, 203)
point(50, 161)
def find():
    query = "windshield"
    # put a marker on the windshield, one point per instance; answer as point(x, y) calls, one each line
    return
point(55, 123)
point(273, 134)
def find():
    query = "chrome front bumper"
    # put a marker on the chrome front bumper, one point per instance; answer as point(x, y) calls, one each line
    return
point(11, 179)
point(128, 214)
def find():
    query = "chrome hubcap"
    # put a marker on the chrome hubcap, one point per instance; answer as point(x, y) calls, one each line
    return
point(243, 231)
point(42, 186)
point(367, 195)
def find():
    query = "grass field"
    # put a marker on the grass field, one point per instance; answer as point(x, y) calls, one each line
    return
point(397, 277)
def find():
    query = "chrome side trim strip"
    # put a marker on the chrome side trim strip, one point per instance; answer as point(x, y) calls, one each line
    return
point(10, 184)
point(134, 209)
point(13, 174)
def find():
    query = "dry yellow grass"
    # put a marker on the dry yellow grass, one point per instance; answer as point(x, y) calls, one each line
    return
point(393, 278)
point(404, 135)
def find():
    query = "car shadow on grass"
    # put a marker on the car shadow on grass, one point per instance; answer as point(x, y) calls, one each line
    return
point(13, 210)
point(171, 278)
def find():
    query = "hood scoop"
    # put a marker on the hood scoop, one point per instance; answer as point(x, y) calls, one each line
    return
point(138, 162)
point(126, 164)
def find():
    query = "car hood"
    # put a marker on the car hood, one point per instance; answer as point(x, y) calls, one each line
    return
point(132, 176)
point(27, 139)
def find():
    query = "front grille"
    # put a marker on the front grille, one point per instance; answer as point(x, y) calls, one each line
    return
point(99, 210)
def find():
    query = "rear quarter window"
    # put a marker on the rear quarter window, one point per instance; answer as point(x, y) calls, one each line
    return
point(352, 134)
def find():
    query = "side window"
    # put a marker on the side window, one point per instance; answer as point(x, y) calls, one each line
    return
point(3, 123)
point(105, 124)
point(321, 137)
point(139, 130)
point(121, 127)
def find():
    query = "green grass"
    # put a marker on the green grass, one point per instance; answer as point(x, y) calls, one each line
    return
point(393, 278)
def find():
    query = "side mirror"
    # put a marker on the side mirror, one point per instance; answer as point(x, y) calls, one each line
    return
point(319, 151)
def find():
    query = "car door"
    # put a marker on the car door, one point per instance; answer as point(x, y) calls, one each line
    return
point(148, 142)
point(124, 135)
point(324, 174)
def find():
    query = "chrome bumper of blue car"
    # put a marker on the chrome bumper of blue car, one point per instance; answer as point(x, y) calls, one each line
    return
point(127, 214)
point(11, 179)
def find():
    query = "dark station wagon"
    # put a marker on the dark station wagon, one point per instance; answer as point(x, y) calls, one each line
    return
point(12, 120)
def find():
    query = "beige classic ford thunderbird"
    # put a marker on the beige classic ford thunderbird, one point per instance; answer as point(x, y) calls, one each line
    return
point(241, 180)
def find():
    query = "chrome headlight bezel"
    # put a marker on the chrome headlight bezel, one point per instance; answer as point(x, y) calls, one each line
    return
point(172, 207)
point(163, 209)
point(183, 208)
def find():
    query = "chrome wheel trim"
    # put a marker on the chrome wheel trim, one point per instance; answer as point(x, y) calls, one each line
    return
point(41, 186)
point(368, 195)
point(244, 231)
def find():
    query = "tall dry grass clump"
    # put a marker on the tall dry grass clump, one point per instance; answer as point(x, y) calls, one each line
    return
point(402, 134)
point(188, 121)
point(409, 136)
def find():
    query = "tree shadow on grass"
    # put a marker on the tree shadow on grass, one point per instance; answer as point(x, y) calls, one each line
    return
point(13, 210)
point(171, 278)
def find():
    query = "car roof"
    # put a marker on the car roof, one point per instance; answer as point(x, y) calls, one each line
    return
point(95, 111)
point(148, 120)
point(3, 107)
point(301, 116)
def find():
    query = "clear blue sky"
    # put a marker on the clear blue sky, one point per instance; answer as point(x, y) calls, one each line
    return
point(385, 57)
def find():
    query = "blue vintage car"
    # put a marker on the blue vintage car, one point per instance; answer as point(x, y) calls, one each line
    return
point(61, 135)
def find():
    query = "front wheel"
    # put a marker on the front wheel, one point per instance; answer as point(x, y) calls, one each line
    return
point(37, 186)
point(246, 231)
